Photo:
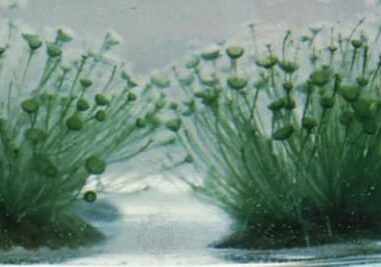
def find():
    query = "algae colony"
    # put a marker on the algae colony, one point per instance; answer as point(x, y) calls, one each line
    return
point(257, 145)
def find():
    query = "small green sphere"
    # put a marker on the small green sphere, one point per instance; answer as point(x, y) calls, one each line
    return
point(74, 123)
point(2, 51)
point(288, 66)
point(327, 102)
point(30, 106)
point(309, 123)
point(267, 62)
point(53, 50)
point(131, 96)
point(235, 52)
point(287, 86)
point(141, 123)
point(174, 125)
point(236, 83)
point(364, 108)
point(33, 41)
point(193, 62)
point(276, 105)
point(82, 105)
point(95, 165)
point(101, 100)
point(321, 77)
point(90, 196)
point(356, 43)
point(100, 115)
point(283, 133)
point(210, 55)
point(188, 159)
point(85, 82)
point(350, 92)
point(173, 106)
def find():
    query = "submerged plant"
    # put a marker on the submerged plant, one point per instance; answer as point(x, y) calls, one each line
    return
point(287, 144)
point(60, 125)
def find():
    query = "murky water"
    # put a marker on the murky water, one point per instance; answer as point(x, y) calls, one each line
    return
point(155, 228)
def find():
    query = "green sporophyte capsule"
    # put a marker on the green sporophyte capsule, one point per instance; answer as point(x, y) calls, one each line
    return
point(141, 123)
point(100, 115)
point(101, 100)
point(74, 123)
point(283, 133)
point(173, 125)
point(33, 41)
point(267, 62)
point(85, 82)
point(309, 123)
point(90, 196)
point(53, 50)
point(276, 105)
point(321, 76)
point(356, 43)
point(131, 96)
point(95, 165)
point(350, 92)
point(287, 86)
point(82, 105)
point(30, 106)
point(236, 83)
point(235, 52)
point(288, 66)
point(210, 55)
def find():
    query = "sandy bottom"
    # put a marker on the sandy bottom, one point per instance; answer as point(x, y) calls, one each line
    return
point(154, 228)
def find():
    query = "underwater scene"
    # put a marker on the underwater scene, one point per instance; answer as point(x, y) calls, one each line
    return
point(190, 133)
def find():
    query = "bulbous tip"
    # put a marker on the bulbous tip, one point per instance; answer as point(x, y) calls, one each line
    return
point(356, 43)
point(53, 50)
point(101, 100)
point(236, 83)
point(95, 165)
point(74, 123)
point(90, 196)
point(34, 42)
point(309, 123)
point(131, 96)
point(235, 52)
point(85, 82)
point(173, 125)
point(267, 62)
point(288, 67)
point(193, 62)
point(210, 55)
point(30, 106)
point(283, 133)
point(82, 105)
point(101, 115)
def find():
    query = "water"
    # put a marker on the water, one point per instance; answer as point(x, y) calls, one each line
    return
point(164, 228)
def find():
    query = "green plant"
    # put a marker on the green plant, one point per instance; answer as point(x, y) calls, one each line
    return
point(61, 123)
point(287, 144)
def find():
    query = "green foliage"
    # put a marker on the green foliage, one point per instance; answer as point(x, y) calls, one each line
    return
point(52, 137)
point(294, 148)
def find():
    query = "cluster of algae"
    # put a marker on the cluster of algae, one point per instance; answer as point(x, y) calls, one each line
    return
point(63, 120)
point(287, 144)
